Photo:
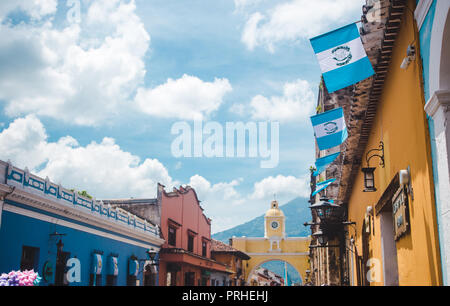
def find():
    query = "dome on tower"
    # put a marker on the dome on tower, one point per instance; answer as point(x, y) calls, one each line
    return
point(274, 210)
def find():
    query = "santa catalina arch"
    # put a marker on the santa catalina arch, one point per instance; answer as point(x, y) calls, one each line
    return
point(274, 245)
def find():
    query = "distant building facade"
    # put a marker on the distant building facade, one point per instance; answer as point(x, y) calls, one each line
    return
point(233, 259)
point(67, 238)
point(264, 277)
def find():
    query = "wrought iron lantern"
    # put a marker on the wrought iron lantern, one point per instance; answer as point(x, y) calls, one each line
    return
point(369, 179)
point(326, 211)
point(369, 176)
point(60, 245)
point(152, 255)
point(321, 237)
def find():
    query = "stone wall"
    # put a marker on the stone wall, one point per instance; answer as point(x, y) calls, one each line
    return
point(147, 209)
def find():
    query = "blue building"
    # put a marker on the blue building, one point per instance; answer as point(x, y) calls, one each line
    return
point(433, 22)
point(70, 239)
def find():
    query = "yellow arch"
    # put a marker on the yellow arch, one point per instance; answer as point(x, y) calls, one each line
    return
point(256, 266)
point(293, 250)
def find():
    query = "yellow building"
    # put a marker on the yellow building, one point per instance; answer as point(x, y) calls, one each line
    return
point(274, 245)
point(232, 258)
point(395, 241)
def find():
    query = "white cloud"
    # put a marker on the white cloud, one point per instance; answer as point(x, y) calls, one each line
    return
point(296, 19)
point(238, 109)
point(220, 201)
point(243, 4)
point(103, 169)
point(296, 104)
point(281, 186)
point(185, 98)
point(36, 9)
point(89, 72)
point(107, 171)
point(83, 73)
point(227, 207)
point(224, 191)
point(23, 142)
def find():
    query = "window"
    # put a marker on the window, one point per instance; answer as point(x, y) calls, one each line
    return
point(204, 248)
point(172, 239)
point(190, 243)
point(30, 258)
point(189, 279)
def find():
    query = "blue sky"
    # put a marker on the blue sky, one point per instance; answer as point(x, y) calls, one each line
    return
point(90, 102)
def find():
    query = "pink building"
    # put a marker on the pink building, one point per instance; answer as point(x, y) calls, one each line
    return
point(185, 258)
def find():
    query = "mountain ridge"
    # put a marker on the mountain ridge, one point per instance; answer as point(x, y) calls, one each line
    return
point(297, 212)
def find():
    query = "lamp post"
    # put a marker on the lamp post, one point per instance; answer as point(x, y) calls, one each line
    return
point(152, 254)
point(331, 225)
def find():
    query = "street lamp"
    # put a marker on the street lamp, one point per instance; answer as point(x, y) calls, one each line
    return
point(60, 246)
point(152, 255)
point(321, 237)
point(326, 211)
point(369, 179)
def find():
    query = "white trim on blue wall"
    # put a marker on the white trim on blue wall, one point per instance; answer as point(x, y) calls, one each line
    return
point(51, 206)
point(422, 11)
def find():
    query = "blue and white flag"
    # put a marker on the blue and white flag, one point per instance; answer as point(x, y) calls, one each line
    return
point(322, 185)
point(324, 162)
point(330, 128)
point(342, 57)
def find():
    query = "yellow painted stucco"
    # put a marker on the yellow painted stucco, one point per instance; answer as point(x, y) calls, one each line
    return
point(293, 250)
point(402, 125)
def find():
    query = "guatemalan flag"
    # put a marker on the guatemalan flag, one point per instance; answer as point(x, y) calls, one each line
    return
point(342, 57)
point(322, 185)
point(324, 162)
point(330, 128)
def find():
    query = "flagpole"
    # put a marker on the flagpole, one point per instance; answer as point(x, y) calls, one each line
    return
point(285, 275)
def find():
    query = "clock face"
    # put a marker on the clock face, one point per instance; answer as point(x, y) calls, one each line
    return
point(275, 224)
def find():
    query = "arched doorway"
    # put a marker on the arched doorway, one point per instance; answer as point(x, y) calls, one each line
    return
point(438, 80)
point(280, 269)
point(439, 49)
point(444, 75)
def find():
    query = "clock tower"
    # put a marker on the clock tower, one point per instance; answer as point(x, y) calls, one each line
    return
point(274, 229)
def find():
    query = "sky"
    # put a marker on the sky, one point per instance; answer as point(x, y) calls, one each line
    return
point(91, 90)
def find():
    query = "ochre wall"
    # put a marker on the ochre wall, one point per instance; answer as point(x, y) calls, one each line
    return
point(401, 124)
point(258, 250)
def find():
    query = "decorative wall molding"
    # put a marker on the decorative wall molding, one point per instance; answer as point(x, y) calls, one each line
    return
point(48, 205)
point(439, 99)
point(44, 194)
point(422, 11)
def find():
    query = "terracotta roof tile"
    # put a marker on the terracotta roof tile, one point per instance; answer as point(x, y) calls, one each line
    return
point(219, 246)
